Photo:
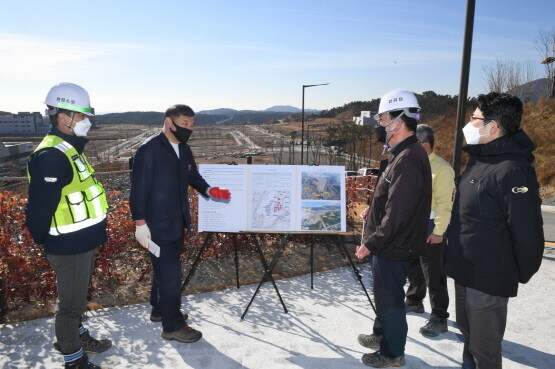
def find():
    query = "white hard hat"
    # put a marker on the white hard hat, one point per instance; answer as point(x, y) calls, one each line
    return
point(69, 96)
point(399, 100)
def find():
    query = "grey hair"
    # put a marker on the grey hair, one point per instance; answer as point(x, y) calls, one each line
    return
point(425, 133)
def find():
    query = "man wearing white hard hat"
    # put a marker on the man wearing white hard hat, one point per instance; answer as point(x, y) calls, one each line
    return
point(396, 226)
point(66, 214)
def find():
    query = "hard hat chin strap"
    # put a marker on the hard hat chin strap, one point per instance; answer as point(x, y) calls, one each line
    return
point(390, 134)
point(71, 115)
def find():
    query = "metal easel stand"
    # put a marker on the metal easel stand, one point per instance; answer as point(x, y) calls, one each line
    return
point(268, 270)
point(201, 250)
point(340, 244)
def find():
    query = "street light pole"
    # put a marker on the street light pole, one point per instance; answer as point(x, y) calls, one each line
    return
point(463, 91)
point(302, 122)
point(307, 142)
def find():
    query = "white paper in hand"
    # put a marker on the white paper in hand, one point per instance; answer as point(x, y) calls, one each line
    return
point(154, 248)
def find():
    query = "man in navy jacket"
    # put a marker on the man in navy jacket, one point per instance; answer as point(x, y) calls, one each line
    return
point(163, 170)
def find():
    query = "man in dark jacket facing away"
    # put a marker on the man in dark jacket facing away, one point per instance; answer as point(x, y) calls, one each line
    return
point(396, 227)
point(495, 238)
point(163, 170)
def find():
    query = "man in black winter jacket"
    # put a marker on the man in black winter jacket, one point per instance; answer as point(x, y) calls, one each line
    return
point(396, 226)
point(495, 239)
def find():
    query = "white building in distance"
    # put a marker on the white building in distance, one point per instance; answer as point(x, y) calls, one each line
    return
point(23, 123)
point(365, 119)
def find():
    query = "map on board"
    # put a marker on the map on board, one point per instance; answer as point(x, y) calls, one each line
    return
point(274, 198)
point(271, 210)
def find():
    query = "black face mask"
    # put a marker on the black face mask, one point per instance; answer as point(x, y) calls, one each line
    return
point(380, 134)
point(182, 134)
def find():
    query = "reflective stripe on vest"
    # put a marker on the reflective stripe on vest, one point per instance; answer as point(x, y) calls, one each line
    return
point(83, 201)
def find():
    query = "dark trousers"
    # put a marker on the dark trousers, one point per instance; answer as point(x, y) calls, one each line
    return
point(389, 295)
point(429, 271)
point(482, 319)
point(165, 294)
point(73, 274)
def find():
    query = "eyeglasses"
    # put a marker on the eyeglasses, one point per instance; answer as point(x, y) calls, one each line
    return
point(472, 117)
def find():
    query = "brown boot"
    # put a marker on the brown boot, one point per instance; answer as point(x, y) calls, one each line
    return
point(185, 334)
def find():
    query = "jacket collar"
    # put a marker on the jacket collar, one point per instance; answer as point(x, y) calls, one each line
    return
point(77, 142)
point(167, 143)
point(395, 150)
point(516, 144)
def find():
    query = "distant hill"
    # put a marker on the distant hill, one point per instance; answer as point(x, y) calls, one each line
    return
point(203, 118)
point(532, 91)
point(431, 103)
point(221, 111)
point(291, 109)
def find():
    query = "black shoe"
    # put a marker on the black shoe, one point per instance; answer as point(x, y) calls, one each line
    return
point(377, 360)
point(434, 327)
point(82, 363)
point(369, 340)
point(90, 345)
point(158, 318)
point(414, 308)
point(184, 335)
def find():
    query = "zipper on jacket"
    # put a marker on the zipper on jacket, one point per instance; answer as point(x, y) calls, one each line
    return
point(478, 198)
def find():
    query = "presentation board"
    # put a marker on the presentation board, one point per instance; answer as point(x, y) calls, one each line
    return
point(274, 198)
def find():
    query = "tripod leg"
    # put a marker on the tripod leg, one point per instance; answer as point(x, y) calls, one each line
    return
point(341, 246)
point(311, 263)
point(235, 246)
point(267, 272)
point(196, 262)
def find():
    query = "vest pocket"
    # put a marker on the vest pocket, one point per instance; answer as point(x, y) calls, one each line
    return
point(77, 206)
point(81, 168)
point(96, 200)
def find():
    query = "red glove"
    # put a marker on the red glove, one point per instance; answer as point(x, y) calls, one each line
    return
point(219, 193)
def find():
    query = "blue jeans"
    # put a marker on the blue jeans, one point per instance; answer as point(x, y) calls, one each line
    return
point(389, 294)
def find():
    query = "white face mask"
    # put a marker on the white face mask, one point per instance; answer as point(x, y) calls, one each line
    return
point(472, 134)
point(82, 127)
point(391, 132)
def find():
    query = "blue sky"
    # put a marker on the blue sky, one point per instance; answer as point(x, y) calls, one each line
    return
point(253, 54)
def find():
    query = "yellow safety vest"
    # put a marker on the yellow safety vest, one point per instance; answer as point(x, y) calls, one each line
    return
point(83, 201)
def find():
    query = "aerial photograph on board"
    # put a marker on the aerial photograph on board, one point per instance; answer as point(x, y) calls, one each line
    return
point(321, 186)
point(321, 215)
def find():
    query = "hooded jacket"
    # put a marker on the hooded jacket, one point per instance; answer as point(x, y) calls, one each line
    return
point(495, 239)
point(397, 224)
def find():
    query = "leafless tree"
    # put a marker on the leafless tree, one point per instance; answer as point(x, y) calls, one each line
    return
point(512, 77)
point(496, 76)
point(526, 92)
point(545, 44)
